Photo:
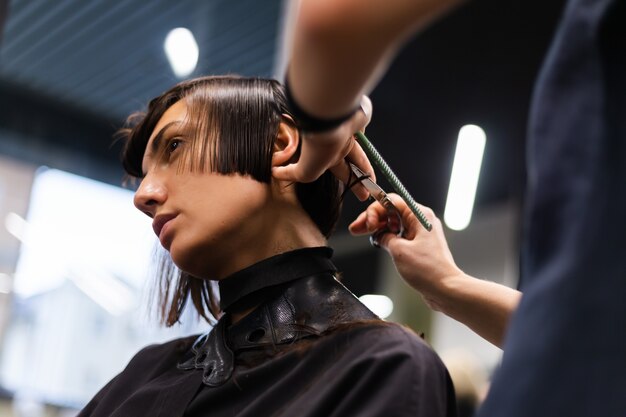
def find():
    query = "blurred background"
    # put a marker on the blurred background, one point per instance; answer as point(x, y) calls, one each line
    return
point(75, 254)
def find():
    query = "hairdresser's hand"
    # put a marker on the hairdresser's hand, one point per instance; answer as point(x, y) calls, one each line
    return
point(330, 151)
point(424, 261)
point(422, 258)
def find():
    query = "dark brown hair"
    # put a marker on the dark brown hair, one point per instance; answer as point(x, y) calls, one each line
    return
point(233, 122)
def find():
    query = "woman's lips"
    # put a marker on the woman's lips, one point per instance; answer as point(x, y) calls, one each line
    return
point(159, 224)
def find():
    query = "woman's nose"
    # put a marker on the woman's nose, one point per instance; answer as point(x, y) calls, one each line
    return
point(149, 196)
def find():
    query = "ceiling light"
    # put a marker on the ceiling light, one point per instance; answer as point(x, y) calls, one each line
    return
point(181, 50)
point(464, 179)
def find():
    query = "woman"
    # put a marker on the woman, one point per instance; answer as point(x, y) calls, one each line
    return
point(290, 339)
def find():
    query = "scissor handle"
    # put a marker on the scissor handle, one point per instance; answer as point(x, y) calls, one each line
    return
point(394, 223)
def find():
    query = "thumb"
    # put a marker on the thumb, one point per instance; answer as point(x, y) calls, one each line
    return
point(386, 241)
point(359, 225)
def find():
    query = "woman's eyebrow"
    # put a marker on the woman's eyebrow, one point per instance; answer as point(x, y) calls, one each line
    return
point(157, 139)
point(156, 142)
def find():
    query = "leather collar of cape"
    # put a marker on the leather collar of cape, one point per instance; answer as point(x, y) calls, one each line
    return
point(304, 300)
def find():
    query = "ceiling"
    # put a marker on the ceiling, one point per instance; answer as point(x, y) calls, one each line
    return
point(72, 70)
point(107, 56)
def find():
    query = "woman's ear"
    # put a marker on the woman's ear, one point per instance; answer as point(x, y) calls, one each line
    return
point(286, 143)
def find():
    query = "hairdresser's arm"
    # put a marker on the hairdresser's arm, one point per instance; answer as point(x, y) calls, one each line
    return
point(341, 48)
point(424, 260)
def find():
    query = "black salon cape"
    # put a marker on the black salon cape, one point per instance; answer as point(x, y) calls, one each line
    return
point(370, 370)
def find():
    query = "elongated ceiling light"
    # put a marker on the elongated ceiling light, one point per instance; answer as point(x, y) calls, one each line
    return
point(464, 179)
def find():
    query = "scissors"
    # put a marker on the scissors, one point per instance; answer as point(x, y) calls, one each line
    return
point(394, 219)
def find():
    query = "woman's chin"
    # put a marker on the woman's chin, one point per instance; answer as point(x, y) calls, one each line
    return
point(196, 264)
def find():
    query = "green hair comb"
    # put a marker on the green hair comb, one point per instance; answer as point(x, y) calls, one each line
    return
point(378, 160)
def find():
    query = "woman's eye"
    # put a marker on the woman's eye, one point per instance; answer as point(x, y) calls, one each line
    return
point(173, 145)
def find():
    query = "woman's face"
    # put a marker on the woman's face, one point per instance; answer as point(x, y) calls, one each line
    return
point(203, 219)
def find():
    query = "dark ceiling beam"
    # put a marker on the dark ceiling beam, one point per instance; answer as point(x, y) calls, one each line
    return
point(4, 9)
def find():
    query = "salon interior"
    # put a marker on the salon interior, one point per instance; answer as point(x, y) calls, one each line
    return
point(73, 293)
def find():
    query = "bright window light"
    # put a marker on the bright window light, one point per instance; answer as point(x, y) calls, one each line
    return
point(16, 225)
point(79, 289)
point(181, 50)
point(76, 222)
point(464, 179)
point(381, 305)
point(105, 289)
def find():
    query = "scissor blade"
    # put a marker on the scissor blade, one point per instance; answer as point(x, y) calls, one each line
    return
point(394, 220)
point(374, 189)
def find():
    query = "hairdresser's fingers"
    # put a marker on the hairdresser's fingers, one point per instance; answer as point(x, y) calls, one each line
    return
point(384, 240)
point(343, 172)
point(369, 221)
point(415, 236)
point(424, 261)
point(360, 120)
point(359, 158)
point(359, 225)
point(327, 150)
point(367, 110)
point(353, 151)
point(411, 224)
point(355, 154)
point(375, 217)
point(317, 154)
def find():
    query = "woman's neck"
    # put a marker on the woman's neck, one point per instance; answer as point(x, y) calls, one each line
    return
point(275, 232)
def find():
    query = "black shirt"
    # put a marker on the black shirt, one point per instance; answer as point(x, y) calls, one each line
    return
point(359, 368)
point(565, 353)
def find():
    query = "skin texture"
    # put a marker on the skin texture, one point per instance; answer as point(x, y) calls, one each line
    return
point(424, 260)
point(220, 220)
